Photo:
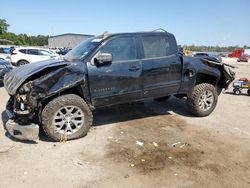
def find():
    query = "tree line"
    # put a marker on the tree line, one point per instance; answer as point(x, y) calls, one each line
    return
point(21, 39)
point(212, 48)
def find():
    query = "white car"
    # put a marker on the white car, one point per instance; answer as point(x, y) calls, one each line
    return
point(21, 56)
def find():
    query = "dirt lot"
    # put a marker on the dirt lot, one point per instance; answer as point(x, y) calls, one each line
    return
point(150, 144)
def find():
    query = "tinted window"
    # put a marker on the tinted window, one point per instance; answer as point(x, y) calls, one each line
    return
point(156, 46)
point(23, 51)
point(43, 52)
point(32, 51)
point(122, 49)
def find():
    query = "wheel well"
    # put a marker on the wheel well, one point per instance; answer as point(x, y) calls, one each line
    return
point(205, 78)
point(74, 90)
point(22, 60)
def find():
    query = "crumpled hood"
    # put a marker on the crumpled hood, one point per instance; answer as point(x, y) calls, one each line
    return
point(15, 78)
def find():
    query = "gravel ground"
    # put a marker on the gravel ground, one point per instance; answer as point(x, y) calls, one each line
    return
point(145, 144)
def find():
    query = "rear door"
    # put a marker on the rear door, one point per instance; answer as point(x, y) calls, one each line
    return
point(161, 65)
point(119, 81)
point(32, 55)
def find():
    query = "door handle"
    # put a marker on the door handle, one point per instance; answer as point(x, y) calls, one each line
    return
point(134, 68)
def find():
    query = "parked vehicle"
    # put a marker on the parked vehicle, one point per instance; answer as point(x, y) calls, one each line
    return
point(5, 53)
point(63, 51)
point(207, 55)
point(236, 53)
point(21, 56)
point(243, 58)
point(103, 71)
point(241, 84)
point(5, 67)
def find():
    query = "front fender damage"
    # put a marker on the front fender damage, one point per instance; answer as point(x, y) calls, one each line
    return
point(26, 105)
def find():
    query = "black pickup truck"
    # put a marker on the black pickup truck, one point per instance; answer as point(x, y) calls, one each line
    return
point(59, 96)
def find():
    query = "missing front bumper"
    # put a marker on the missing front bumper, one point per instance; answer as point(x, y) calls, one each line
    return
point(22, 132)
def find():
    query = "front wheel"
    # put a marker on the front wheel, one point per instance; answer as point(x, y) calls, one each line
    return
point(248, 92)
point(66, 117)
point(203, 99)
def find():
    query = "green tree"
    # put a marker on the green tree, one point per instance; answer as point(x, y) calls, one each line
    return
point(3, 26)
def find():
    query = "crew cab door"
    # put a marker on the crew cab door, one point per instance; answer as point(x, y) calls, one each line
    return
point(120, 80)
point(161, 65)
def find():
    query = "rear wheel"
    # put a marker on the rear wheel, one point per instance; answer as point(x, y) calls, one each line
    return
point(248, 92)
point(22, 62)
point(237, 91)
point(66, 117)
point(203, 99)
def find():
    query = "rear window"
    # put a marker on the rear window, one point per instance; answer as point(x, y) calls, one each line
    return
point(156, 46)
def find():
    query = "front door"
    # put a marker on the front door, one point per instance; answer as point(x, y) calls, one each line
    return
point(119, 81)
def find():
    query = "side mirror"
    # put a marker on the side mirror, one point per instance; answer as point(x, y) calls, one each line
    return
point(104, 58)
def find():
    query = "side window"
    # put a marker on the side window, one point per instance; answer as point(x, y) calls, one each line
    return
point(43, 52)
point(156, 46)
point(122, 49)
point(23, 51)
point(32, 51)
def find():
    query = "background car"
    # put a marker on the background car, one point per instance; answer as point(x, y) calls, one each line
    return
point(5, 67)
point(243, 58)
point(21, 56)
point(207, 55)
point(5, 53)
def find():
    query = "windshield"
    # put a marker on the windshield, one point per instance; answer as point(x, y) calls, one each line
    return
point(83, 49)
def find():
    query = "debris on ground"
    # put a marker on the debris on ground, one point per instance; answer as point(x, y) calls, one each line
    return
point(175, 144)
point(139, 143)
point(185, 144)
point(110, 137)
point(132, 165)
point(155, 144)
point(126, 176)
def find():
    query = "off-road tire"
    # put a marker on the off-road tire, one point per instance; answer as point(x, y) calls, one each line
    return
point(194, 96)
point(53, 106)
point(22, 62)
point(162, 99)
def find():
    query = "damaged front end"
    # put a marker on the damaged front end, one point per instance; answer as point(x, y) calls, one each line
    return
point(22, 123)
point(39, 82)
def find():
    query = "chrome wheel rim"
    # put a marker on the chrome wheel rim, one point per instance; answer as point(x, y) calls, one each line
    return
point(206, 100)
point(68, 120)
